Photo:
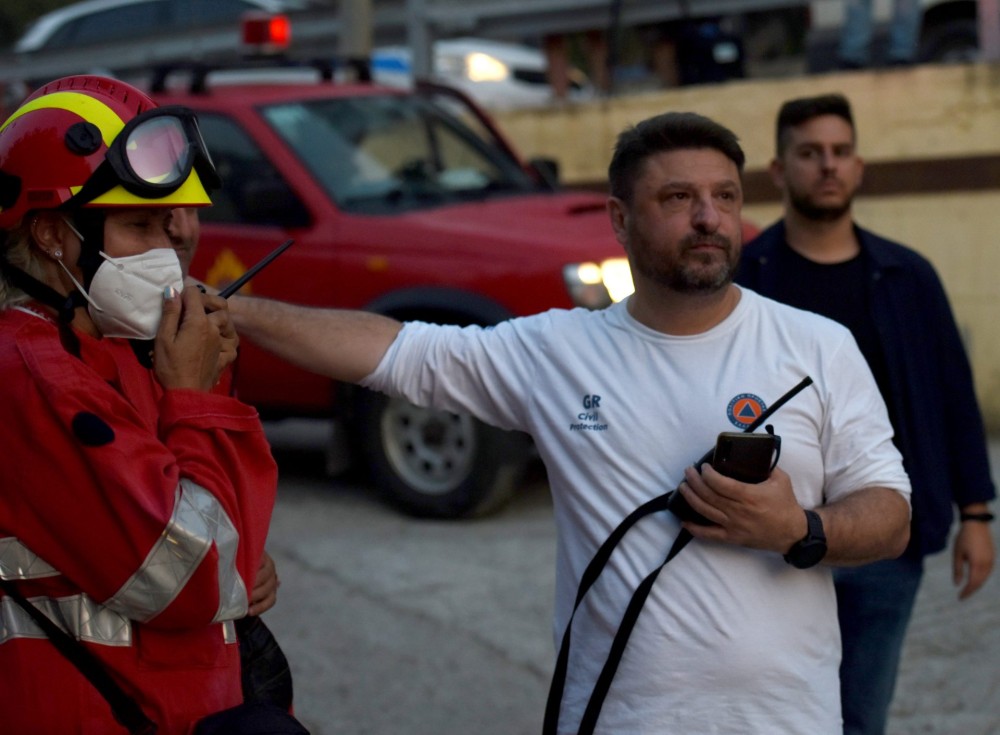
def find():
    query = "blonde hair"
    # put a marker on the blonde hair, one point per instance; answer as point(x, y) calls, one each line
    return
point(18, 250)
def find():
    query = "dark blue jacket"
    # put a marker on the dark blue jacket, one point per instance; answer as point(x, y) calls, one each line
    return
point(939, 429)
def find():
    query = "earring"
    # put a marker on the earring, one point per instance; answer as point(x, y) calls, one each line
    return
point(57, 254)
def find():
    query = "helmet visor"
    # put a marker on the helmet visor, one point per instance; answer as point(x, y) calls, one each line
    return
point(153, 156)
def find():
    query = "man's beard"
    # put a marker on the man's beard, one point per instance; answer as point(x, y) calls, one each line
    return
point(683, 273)
point(805, 206)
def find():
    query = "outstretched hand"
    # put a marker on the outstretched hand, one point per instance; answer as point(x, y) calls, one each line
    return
point(217, 309)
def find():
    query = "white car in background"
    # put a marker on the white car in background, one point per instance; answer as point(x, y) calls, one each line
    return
point(102, 21)
point(495, 74)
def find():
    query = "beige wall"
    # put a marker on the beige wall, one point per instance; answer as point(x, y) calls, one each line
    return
point(929, 112)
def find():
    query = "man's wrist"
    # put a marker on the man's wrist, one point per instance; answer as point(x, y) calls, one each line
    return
point(984, 517)
point(811, 548)
point(975, 513)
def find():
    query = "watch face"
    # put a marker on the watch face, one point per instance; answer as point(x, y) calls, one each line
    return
point(807, 553)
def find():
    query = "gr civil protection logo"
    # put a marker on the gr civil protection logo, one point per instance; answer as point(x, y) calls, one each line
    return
point(744, 409)
point(589, 419)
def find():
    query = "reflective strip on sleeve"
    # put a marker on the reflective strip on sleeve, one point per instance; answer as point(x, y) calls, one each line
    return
point(80, 616)
point(198, 522)
point(17, 561)
point(233, 598)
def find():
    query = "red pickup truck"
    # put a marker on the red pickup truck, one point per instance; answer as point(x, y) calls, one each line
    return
point(404, 202)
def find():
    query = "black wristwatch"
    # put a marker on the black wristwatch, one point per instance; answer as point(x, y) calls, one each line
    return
point(809, 551)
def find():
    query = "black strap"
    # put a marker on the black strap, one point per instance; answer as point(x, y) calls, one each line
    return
point(124, 708)
point(65, 306)
point(590, 575)
point(597, 696)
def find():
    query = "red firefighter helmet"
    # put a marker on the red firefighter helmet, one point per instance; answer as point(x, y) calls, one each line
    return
point(90, 141)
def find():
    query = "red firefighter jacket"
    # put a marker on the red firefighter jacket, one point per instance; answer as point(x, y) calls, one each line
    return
point(134, 517)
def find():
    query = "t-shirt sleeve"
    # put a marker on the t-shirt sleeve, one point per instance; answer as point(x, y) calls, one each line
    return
point(856, 435)
point(484, 371)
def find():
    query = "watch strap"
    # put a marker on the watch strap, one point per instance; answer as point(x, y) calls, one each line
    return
point(980, 517)
point(810, 549)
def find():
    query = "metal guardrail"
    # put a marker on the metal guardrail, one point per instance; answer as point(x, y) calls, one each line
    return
point(518, 19)
point(394, 21)
point(131, 57)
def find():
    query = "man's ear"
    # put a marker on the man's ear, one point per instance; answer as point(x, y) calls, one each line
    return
point(777, 171)
point(618, 213)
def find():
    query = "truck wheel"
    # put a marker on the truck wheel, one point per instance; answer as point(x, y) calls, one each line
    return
point(954, 41)
point(437, 464)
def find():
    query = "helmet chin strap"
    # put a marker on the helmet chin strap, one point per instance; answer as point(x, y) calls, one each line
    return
point(89, 227)
point(65, 306)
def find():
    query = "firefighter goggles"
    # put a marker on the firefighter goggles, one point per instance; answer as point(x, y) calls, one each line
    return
point(153, 156)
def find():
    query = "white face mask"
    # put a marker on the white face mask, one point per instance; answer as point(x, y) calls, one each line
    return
point(126, 294)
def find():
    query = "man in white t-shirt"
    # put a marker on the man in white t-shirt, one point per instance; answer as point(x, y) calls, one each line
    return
point(739, 632)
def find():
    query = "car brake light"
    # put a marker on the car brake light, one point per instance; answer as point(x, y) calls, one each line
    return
point(266, 33)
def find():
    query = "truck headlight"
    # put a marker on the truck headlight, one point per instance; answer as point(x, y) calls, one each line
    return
point(596, 285)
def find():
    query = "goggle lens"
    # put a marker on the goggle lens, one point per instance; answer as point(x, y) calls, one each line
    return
point(158, 151)
point(152, 157)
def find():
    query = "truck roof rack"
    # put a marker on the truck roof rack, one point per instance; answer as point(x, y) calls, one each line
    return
point(198, 71)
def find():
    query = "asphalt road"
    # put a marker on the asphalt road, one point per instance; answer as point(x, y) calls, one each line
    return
point(394, 625)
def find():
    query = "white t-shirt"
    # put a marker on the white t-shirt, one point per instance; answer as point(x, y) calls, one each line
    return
point(731, 640)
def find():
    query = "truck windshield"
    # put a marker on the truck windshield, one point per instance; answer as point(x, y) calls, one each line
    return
point(385, 154)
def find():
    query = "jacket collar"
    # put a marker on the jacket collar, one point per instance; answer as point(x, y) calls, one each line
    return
point(873, 246)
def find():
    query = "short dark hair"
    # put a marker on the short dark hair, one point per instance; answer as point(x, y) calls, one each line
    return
point(670, 131)
point(803, 109)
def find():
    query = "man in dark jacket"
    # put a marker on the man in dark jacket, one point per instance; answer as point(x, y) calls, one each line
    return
point(890, 297)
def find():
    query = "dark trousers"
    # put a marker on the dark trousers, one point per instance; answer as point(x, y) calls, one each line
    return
point(874, 603)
